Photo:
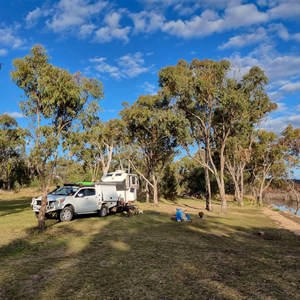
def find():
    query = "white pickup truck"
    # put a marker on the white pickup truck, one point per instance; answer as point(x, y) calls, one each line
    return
point(69, 200)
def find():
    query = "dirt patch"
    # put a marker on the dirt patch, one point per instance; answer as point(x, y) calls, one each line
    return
point(283, 220)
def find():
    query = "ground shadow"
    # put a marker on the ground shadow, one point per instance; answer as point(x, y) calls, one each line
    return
point(150, 256)
point(8, 207)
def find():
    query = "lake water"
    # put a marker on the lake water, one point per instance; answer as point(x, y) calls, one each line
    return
point(286, 208)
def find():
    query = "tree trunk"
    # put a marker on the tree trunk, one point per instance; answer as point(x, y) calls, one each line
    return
point(41, 217)
point(242, 186)
point(147, 192)
point(223, 198)
point(221, 183)
point(238, 193)
point(155, 190)
point(208, 205)
point(259, 197)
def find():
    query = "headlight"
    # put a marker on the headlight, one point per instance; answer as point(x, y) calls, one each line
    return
point(33, 202)
point(60, 201)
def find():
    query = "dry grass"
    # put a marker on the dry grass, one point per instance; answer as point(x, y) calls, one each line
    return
point(148, 256)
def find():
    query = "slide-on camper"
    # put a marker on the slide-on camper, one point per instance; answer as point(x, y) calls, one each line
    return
point(127, 184)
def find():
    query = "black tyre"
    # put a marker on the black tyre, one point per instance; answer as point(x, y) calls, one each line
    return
point(103, 212)
point(67, 214)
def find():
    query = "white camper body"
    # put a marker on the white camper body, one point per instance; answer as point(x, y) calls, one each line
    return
point(126, 184)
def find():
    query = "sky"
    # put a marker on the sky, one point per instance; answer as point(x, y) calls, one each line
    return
point(124, 44)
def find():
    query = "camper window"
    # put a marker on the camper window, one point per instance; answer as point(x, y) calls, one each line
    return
point(134, 181)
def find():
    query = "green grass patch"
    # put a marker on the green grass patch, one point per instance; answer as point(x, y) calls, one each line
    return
point(148, 256)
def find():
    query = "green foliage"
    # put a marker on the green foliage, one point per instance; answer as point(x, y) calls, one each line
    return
point(267, 151)
point(156, 132)
point(192, 178)
point(55, 100)
point(169, 184)
point(12, 149)
point(93, 145)
point(220, 109)
point(155, 129)
point(290, 140)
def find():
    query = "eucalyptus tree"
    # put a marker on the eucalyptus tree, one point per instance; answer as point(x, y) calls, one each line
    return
point(238, 155)
point(217, 108)
point(290, 139)
point(273, 156)
point(196, 89)
point(54, 100)
point(95, 144)
point(253, 105)
point(153, 131)
point(12, 148)
point(267, 161)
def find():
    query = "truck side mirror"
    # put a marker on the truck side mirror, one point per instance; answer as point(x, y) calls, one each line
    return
point(80, 195)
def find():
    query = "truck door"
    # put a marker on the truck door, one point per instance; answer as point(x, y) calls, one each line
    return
point(86, 201)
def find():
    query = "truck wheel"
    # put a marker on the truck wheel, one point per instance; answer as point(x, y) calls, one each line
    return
point(67, 214)
point(103, 212)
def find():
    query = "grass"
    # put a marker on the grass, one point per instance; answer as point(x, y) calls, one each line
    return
point(148, 256)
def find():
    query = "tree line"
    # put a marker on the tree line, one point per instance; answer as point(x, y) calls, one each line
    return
point(198, 134)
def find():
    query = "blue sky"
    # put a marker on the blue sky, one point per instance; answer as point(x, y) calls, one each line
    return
point(125, 43)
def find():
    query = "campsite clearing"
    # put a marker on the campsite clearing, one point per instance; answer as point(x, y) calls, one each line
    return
point(147, 256)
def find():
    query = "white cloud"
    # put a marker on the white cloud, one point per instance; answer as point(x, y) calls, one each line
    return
point(15, 114)
point(9, 38)
point(3, 52)
point(112, 30)
point(34, 15)
point(203, 25)
point(149, 88)
point(73, 13)
point(132, 65)
point(283, 33)
point(275, 96)
point(102, 67)
point(127, 66)
point(86, 30)
point(282, 66)
point(291, 87)
point(278, 66)
point(278, 124)
point(209, 21)
point(147, 21)
point(243, 15)
point(281, 107)
point(184, 7)
point(243, 40)
point(286, 9)
point(298, 107)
